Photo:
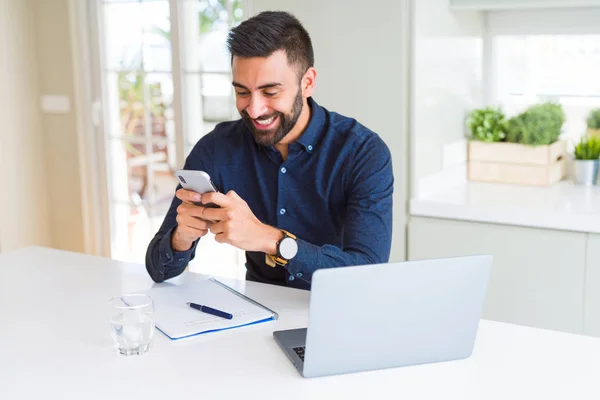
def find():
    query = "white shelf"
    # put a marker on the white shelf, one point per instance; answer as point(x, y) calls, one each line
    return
point(563, 206)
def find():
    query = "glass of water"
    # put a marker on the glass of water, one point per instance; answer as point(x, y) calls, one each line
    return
point(132, 323)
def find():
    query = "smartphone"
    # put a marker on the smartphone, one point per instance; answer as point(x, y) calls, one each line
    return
point(196, 181)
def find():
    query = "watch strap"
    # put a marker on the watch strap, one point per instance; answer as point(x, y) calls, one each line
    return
point(274, 260)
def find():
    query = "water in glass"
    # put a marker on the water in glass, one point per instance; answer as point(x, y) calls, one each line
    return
point(132, 323)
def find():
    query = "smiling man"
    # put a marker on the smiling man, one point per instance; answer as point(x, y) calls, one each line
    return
point(302, 188)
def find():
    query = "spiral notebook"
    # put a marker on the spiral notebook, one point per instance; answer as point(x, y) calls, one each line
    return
point(177, 320)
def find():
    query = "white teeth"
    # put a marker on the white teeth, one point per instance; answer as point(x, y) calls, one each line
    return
point(266, 121)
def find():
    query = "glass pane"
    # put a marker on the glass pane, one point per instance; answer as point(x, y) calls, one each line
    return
point(205, 107)
point(206, 24)
point(123, 29)
point(129, 171)
point(192, 103)
point(156, 41)
point(131, 232)
point(125, 100)
point(558, 68)
point(162, 182)
point(160, 96)
point(218, 102)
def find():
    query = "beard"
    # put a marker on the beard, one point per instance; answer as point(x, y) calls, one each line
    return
point(270, 137)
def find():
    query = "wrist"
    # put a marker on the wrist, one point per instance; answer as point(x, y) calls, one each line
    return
point(178, 243)
point(271, 237)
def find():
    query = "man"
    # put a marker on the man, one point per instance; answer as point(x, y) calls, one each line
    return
point(301, 188)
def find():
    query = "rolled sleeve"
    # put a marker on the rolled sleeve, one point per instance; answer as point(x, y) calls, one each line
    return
point(168, 263)
point(171, 258)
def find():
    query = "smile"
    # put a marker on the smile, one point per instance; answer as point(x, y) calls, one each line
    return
point(265, 123)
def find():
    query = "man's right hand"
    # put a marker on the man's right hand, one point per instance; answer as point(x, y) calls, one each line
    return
point(190, 224)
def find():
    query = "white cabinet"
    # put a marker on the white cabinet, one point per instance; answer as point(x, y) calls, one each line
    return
point(538, 274)
point(591, 314)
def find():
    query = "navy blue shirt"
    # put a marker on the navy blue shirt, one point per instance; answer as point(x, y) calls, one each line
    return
point(334, 192)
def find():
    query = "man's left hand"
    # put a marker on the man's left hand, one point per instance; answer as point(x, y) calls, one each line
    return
point(234, 223)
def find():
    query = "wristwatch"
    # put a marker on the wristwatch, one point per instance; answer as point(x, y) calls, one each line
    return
point(287, 248)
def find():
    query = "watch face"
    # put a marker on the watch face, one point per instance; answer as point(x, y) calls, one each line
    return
point(288, 248)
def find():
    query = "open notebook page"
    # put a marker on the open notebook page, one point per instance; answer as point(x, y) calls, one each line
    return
point(178, 320)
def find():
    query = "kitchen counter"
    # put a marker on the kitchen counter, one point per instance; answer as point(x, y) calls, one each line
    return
point(563, 206)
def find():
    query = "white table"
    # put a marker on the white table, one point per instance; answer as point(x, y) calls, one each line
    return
point(55, 343)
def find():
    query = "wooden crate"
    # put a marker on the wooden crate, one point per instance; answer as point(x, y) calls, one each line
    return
point(593, 132)
point(517, 163)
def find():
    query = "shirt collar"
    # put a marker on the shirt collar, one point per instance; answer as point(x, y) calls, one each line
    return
point(313, 132)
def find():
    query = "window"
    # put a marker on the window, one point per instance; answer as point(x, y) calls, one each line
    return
point(561, 68)
point(545, 55)
point(149, 77)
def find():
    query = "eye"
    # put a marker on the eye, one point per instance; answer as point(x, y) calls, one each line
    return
point(270, 94)
point(242, 94)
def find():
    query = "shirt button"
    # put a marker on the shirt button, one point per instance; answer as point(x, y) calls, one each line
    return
point(299, 274)
point(282, 211)
point(291, 278)
point(283, 170)
point(309, 147)
point(181, 259)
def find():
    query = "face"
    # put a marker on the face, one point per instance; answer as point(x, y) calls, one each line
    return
point(269, 96)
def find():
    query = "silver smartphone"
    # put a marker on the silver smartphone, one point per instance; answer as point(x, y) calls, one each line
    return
point(196, 181)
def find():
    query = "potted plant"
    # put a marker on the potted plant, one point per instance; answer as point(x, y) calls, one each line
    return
point(587, 153)
point(538, 125)
point(525, 149)
point(593, 123)
point(487, 124)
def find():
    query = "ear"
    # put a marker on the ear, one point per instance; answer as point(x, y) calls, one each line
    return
point(308, 82)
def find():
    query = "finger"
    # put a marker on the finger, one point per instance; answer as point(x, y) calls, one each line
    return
point(190, 232)
point(216, 198)
point(216, 214)
point(223, 237)
point(193, 222)
point(188, 196)
point(217, 228)
point(191, 210)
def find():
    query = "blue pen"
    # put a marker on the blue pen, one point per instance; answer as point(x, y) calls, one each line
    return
point(211, 311)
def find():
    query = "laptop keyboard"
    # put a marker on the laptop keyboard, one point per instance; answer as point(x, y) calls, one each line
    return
point(300, 352)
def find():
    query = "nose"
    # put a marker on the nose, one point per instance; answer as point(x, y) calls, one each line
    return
point(256, 107)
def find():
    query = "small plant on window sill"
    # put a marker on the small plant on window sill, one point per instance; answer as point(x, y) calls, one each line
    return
point(588, 148)
point(593, 123)
point(587, 153)
point(487, 124)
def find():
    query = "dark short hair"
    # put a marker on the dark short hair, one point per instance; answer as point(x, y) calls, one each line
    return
point(268, 32)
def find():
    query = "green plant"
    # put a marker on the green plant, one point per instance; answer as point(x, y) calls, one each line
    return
point(487, 124)
point(588, 149)
point(593, 121)
point(540, 124)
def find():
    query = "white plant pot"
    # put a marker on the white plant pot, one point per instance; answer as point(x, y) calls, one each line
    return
point(586, 172)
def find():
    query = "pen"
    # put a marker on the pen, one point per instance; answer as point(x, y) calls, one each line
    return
point(211, 311)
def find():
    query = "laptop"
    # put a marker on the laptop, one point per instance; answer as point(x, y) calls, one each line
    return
point(389, 315)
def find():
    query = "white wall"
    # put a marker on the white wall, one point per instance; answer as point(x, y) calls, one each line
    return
point(361, 58)
point(447, 82)
point(24, 211)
